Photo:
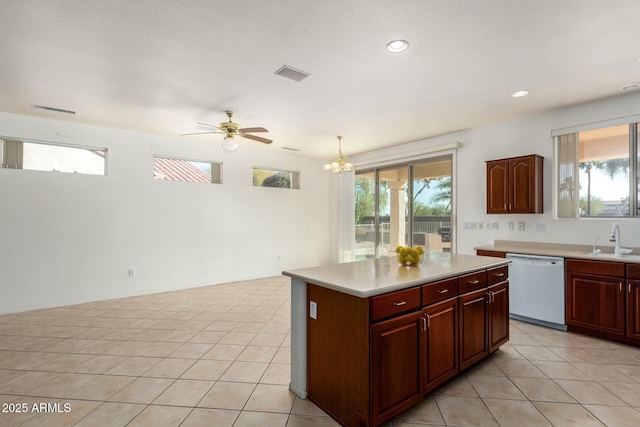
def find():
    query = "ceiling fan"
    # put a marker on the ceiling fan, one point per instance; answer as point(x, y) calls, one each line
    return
point(230, 130)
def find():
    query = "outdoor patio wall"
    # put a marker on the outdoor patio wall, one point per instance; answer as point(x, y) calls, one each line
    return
point(69, 238)
point(529, 135)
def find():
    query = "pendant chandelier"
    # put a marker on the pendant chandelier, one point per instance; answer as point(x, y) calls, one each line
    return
point(339, 164)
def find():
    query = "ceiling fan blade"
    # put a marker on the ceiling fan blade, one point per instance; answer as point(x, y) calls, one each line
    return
point(258, 138)
point(207, 125)
point(198, 133)
point(252, 130)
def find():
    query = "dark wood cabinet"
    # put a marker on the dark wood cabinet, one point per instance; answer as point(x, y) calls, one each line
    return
point(595, 297)
point(440, 343)
point(498, 314)
point(473, 327)
point(633, 303)
point(369, 359)
point(514, 185)
point(396, 357)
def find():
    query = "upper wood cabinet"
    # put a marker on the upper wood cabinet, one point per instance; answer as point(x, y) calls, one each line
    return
point(514, 185)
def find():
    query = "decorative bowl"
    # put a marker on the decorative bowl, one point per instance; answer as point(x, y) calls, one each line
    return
point(409, 256)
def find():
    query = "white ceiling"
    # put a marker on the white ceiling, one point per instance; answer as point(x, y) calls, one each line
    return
point(161, 66)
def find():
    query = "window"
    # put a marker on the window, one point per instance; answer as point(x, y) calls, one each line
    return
point(594, 172)
point(17, 153)
point(263, 177)
point(404, 205)
point(184, 170)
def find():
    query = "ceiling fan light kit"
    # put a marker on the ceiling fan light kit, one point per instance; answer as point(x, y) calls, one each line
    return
point(230, 130)
point(339, 164)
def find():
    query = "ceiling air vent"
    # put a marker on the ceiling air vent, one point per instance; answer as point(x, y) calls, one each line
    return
point(292, 73)
point(57, 110)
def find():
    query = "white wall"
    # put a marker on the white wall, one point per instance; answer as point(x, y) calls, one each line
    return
point(68, 238)
point(531, 135)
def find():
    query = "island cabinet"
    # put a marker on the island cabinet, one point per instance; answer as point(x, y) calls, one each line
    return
point(369, 359)
point(595, 297)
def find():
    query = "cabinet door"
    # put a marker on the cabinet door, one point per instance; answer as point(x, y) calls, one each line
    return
point(596, 302)
point(395, 365)
point(440, 343)
point(473, 327)
point(498, 315)
point(633, 309)
point(522, 185)
point(497, 186)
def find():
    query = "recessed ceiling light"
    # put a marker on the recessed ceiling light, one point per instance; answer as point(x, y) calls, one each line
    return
point(396, 46)
point(519, 93)
point(630, 86)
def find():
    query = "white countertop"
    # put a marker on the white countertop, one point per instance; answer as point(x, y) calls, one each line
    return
point(378, 276)
point(561, 250)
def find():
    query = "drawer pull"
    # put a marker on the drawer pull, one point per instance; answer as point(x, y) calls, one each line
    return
point(474, 282)
point(499, 274)
point(443, 291)
point(403, 302)
point(629, 287)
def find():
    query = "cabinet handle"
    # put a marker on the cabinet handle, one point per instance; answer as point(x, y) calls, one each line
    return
point(499, 274)
point(493, 297)
point(428, 321)
point(629, 287)
point(403, 302)
point(444, 291)
point(474, 282)
point(505, 206)
point(424, 324)
point(620, 285)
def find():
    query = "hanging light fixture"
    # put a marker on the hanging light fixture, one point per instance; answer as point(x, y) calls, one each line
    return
point(229, 143)
point(340, 163)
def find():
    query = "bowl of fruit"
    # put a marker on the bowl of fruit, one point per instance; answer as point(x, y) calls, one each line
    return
point(410, 256)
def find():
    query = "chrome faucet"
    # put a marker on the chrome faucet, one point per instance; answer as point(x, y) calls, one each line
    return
point(615, 237)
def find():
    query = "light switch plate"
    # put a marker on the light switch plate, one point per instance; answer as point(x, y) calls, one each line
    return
point(313, 309)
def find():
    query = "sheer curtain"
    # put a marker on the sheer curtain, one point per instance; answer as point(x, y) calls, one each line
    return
point(568, 189)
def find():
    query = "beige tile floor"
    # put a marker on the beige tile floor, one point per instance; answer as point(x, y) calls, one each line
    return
point(219, 356)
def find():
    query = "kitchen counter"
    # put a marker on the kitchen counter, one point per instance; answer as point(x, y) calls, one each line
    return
point(365, 279)
point(560, 250)
point(378, 276)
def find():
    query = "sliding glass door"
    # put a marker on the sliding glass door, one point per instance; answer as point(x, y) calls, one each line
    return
point(406, 204)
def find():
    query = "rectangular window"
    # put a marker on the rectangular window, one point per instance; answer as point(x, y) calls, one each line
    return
point(264, 177)
point(594, 174)
point(186, 170)
point(17, 153)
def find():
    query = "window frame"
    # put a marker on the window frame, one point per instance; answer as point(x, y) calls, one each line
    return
point(633, 175)
point(294, 180)
point(215, 176)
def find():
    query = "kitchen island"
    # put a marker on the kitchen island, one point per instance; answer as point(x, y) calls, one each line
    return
point(370, 338)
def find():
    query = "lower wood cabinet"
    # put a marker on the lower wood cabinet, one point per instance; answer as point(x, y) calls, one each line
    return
point(396, 359)
point(595, 297)
point(633, 310)
point(474, 345)
point(439, 343)
point(369, 359)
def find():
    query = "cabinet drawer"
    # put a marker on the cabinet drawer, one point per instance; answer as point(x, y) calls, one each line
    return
point(497, 275)
point(394, 303)
point(633, 271)
point(495, 254)
point(472, 281)
point(601, 268)
point(438, 291)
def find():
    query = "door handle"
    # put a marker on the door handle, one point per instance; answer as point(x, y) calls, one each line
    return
point(629, 287)
point(474, 282)
point(499, 274)
point(443, 291)
point(424, 324)
point(428, 321)
point(403, 302)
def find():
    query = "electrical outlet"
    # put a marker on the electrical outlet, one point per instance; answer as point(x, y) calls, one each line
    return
point(541, 227)
point(469, 225)
point(313, 309)
point(512, 226)
point(480, 225)
point(492, 225)
point(132, 272)
point(520, 225)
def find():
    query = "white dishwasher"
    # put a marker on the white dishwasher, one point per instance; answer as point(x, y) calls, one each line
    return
point(536, 290)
